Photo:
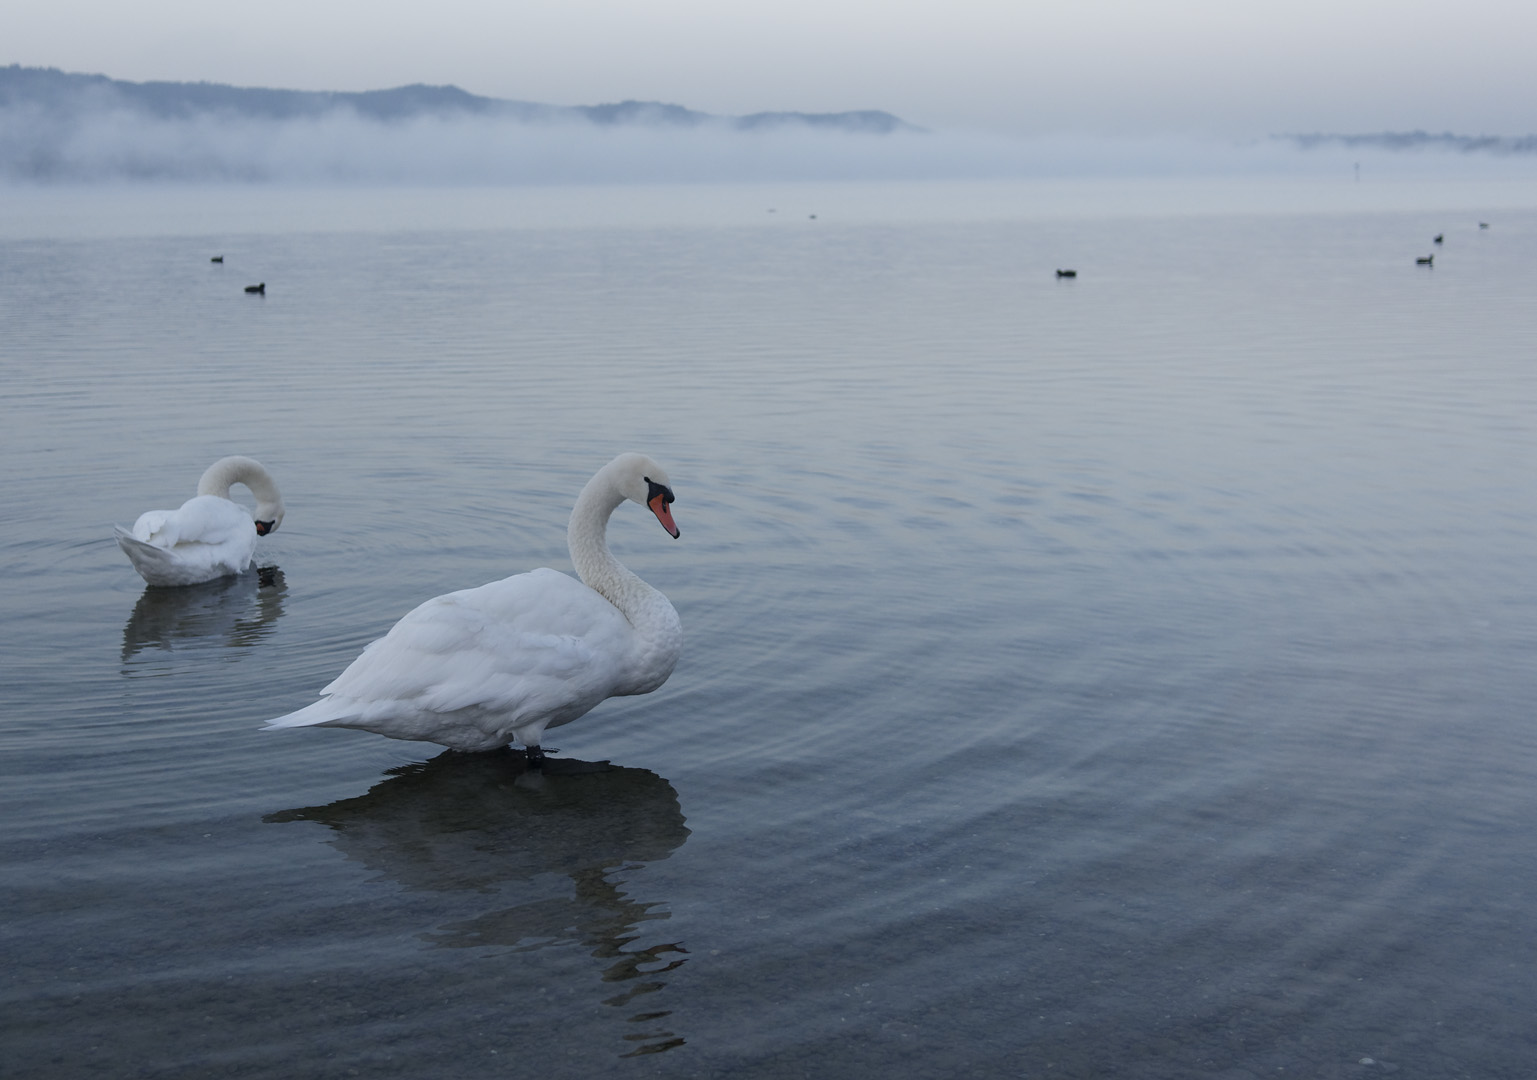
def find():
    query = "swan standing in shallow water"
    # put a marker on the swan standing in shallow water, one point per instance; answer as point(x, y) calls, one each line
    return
point(479, 668)
point(209, 536)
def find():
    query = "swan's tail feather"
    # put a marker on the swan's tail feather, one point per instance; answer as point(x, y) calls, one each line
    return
point(321, 712)
point(151, 562)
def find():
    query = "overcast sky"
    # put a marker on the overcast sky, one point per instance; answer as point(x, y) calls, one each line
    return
point(1220, 67)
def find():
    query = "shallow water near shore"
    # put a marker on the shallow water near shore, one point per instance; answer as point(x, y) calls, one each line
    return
point(1121, 676)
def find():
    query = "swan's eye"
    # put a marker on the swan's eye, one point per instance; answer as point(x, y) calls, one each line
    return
point(655, 491)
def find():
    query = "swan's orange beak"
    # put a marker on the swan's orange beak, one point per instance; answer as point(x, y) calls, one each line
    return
point(264, 527)
point(663, 512)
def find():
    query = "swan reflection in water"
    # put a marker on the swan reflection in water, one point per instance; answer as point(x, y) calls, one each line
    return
point(475, 822)
point(236, 611)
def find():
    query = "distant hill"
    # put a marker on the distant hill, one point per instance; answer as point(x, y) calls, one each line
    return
point(58, 127)
point(1420, 140)
point(62, 95)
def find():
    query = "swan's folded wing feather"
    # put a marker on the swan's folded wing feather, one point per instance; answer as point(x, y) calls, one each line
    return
point(490, 648)
point(205, 519)
point(208, 519)
point(150, 525)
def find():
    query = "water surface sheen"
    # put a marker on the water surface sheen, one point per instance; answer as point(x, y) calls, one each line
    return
point(1127, 676)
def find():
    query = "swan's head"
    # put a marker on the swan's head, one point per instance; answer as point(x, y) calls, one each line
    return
point(268, 517)
point(642, 480)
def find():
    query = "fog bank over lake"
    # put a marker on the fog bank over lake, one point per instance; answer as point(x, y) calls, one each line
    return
point(59, 127)
point(342, 148)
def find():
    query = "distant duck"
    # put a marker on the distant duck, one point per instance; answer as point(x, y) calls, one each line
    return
point(1067, 273)
point(1483, 224)
point(1425, 260)
point(1440, 237)
point(262, 288)
point(217, 259)
point(210, 536)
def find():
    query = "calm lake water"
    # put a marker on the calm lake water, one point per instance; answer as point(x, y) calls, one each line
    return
point(1128, 676)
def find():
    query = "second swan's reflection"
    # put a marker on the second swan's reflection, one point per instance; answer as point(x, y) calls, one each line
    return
point(235, 612)
point(479, 822)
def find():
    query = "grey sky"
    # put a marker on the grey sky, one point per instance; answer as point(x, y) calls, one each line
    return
point(1223, 67)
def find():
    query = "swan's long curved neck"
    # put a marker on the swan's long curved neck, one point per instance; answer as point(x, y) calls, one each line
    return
point(658, 638)
point(226, 472)
point(587, 537)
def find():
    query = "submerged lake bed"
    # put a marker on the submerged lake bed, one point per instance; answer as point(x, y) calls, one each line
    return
point(1124, 675)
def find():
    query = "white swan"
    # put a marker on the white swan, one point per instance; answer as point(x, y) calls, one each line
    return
point(476, 669)
point(209, 536)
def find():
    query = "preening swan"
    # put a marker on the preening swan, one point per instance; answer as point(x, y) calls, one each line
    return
point(479, 668)
point(209, 536)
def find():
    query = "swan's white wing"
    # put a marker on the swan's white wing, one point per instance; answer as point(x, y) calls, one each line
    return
point(154, 526)
point(472, 667)
point(205, 519)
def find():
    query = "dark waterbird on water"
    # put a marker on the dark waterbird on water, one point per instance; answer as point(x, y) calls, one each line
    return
point(1440, 237)
point(1067, 273)
point(217, 259)
point(262, 288)
point(1425, 260)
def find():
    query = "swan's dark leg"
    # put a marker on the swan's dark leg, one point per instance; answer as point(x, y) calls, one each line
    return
point(535, 757)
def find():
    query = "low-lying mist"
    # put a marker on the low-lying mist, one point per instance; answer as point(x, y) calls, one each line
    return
point(41, 146)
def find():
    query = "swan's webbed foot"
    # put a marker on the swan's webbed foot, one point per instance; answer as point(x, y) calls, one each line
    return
point(536, 756)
